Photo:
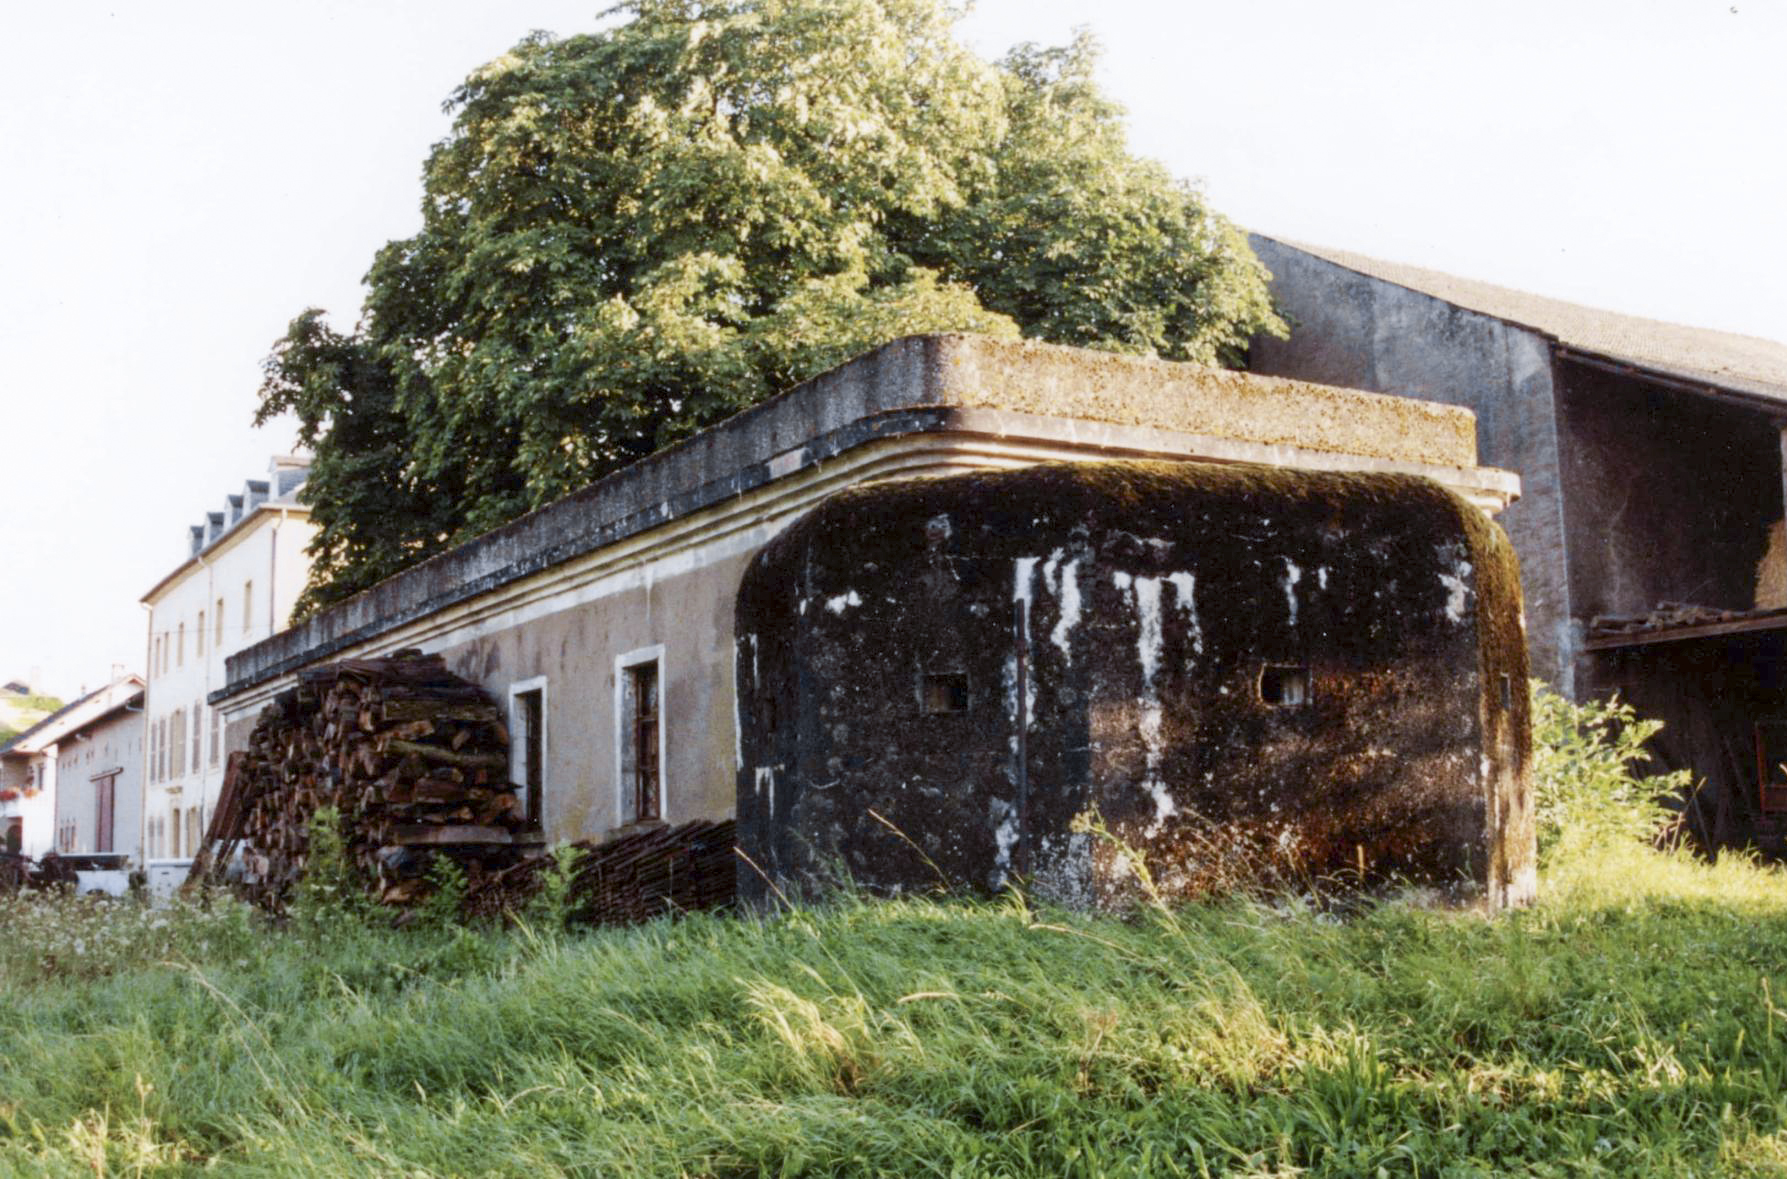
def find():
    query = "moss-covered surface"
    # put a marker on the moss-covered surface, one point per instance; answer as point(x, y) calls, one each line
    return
point(1034, 377)
point(1160, 595)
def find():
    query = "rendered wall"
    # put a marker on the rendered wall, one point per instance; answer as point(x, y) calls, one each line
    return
point(114, 743)
point(1351, 329)
point(574, 650)
point(265, 550)
point(1158, 595)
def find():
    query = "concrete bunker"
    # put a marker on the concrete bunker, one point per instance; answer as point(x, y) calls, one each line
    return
point(1247, 672)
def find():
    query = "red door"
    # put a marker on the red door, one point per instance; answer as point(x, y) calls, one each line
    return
point(104, 801)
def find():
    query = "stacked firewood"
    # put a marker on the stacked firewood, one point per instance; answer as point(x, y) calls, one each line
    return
point(648, 874)
point(414, 758)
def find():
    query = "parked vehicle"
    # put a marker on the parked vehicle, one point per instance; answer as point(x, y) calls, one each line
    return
point(103, 873)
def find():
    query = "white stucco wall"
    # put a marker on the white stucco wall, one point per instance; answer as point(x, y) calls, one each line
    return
point(33, 778)
point(263, 551)
point(111, 747)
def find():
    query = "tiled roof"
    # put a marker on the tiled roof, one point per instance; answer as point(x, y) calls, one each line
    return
point(1747, 364)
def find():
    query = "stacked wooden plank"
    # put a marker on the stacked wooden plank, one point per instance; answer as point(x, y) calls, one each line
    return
point(669, 870)
point(1666, 616)
point(634, 878)
point(414, 758)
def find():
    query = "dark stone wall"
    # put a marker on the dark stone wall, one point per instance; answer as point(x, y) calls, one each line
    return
point(1669, 496)
point(1167, 603)
point(1351, 329)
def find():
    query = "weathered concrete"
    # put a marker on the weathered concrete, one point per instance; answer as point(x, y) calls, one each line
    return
point(904, 387)
point(1168, 605)
point(1348, 328)
point(650, 559)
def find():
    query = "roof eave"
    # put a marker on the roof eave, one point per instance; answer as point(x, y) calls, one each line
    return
point(238, 529)
point(1701, 384)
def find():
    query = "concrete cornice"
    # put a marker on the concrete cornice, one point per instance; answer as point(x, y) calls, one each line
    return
point(509, 576)
point(920, 385)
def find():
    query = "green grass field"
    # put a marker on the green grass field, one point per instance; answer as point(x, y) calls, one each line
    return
point(1631, 1023)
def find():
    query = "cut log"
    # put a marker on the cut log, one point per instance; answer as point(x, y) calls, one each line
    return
point(422, 835)
point(452, 757)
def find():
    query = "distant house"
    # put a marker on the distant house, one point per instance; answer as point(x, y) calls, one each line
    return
point(1651, 461)
point(614, 626)
point(241, 573)
point(70, 783)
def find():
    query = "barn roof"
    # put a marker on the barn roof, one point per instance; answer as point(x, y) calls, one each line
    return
point(1746, 364)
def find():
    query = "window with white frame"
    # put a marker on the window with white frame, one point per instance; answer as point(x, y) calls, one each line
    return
point(216, 736)
point(527, 745)
point(198, 745)
point(198, 635)
point(217, 622)
point(639, 734)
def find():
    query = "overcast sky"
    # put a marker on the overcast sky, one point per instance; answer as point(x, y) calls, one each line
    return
point(181, 178)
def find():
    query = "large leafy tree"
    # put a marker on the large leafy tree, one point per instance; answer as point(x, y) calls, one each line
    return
point(632, 234)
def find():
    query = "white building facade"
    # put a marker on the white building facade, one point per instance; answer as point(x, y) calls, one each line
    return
point(245, 567)
point(72, 782)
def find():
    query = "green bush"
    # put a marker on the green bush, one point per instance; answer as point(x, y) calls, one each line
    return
point(330, 894)
point(1588, 784)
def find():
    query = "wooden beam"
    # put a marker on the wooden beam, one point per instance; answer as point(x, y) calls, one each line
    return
point(1676, 634)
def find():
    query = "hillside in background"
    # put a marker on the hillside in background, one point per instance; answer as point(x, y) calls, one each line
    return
point(19, 712)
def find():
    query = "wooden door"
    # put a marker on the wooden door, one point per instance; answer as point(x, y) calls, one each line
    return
point(104, 811)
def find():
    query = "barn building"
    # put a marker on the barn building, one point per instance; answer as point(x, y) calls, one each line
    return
point(1649, 527)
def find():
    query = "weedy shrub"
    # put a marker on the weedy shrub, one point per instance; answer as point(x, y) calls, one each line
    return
point(444, 907)
point(1588, 784)
point(329, 897)
point(550, 907)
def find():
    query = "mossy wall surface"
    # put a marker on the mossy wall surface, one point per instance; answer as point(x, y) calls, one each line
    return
point(1157, 597)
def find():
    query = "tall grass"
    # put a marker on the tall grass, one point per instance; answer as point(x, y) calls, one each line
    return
point(1633, 1022)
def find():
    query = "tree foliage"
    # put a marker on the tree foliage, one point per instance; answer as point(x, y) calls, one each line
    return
point(632, 234)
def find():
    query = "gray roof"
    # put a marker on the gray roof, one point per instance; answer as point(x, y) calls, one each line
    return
point(1748, 364)
point(56, 717)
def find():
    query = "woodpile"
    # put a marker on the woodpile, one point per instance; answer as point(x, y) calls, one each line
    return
point(634, 878)
point(416, 761)
point(414, 758)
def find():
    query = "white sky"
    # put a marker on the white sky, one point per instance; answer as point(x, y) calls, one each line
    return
point(180, 179)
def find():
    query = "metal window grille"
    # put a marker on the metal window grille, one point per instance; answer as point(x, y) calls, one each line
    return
point(646, 793)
